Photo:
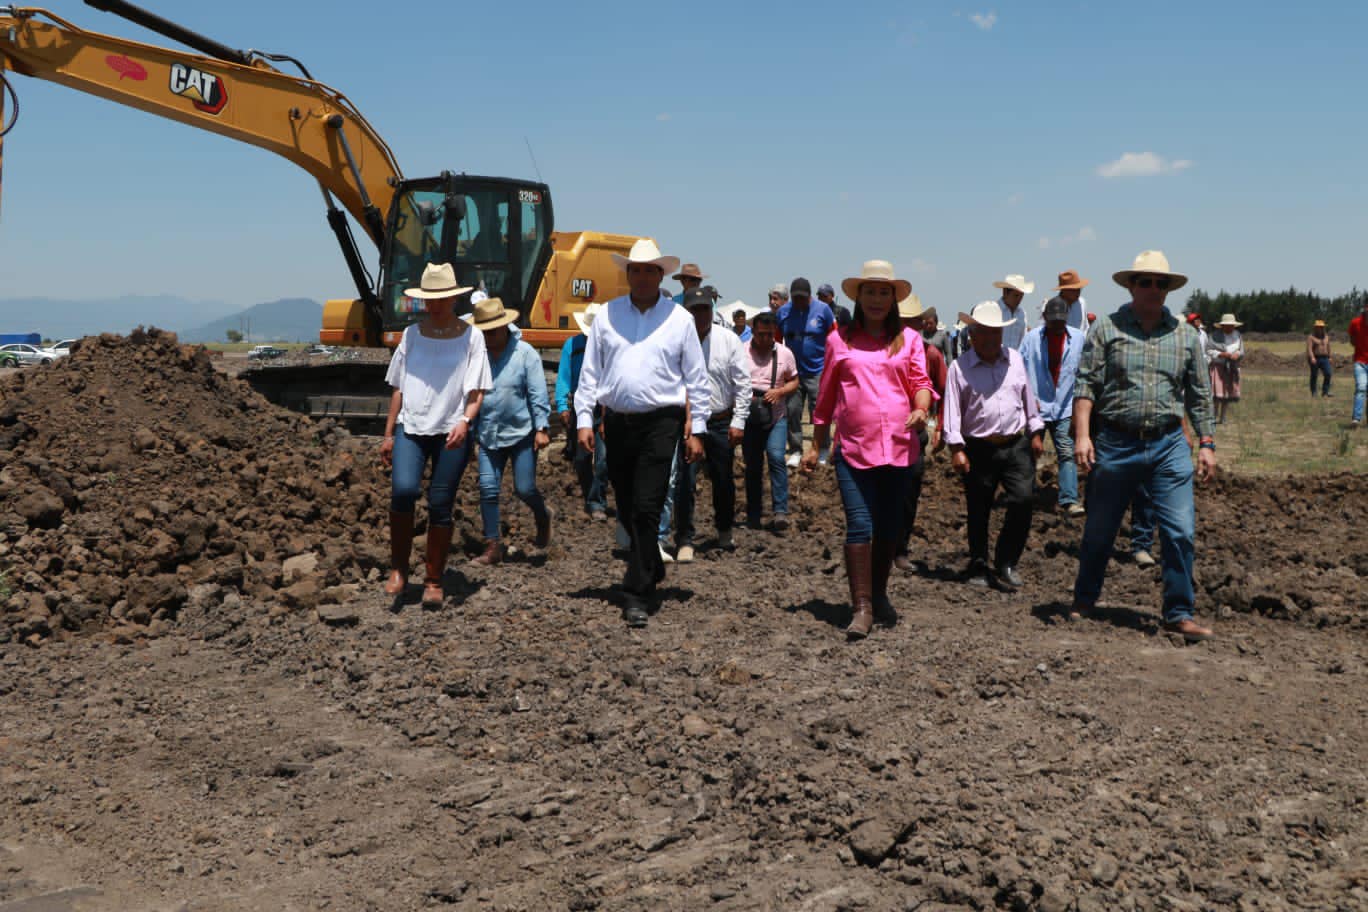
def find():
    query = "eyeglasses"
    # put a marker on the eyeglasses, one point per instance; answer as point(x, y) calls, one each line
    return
point(1149, 282)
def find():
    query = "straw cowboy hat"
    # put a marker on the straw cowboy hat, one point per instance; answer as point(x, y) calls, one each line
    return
point(491, 314)
point(690, 271)
point(585, 318)
point(1319, 324)
point(1069, 279)
point(439, 281)
point(1150, 262)
point(910, 307)
point(1229, 320)
point(986, 314)
point(646, 251)
point(875, 271)
point(1015, 283)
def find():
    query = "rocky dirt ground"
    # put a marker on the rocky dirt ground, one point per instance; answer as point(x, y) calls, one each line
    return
point(206, 703)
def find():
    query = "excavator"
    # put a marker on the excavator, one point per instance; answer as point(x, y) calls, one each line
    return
point(497, 232)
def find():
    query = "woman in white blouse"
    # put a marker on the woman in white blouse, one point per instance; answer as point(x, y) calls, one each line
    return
point(439, 373)
point(1225, 351)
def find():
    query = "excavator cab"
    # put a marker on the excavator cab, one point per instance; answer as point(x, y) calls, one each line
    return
point(495, 231)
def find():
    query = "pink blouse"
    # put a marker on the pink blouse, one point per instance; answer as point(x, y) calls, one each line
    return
point(869, 395)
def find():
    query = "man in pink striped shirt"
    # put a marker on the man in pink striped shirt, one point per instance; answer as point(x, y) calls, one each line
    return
point(995, 433)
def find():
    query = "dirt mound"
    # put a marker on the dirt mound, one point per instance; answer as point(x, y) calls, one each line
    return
point(135, 477)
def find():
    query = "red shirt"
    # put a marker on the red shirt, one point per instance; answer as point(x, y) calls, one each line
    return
point(1056, 346)
point(1358, 334)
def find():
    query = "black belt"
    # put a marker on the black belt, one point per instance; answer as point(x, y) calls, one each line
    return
point(721, 416)
point(1141, 433)
point(998, 440)
point(668, 411)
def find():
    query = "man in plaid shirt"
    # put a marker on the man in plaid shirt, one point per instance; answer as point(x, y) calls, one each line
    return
point(1142, 369)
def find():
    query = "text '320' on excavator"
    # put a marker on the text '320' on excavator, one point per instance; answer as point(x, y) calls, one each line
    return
point(496, 231)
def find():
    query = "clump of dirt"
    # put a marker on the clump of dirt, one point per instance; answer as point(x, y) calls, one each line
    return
point(133, 474)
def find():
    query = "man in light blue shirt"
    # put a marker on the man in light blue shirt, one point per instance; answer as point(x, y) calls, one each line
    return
point(1015, 288)
point(1070, 288)
point(804, 324)
point(1051, 353)
point(591, 469)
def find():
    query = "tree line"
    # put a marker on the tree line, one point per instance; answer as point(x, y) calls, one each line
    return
point(1278, 311)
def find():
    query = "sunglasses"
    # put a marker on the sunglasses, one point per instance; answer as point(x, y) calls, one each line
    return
point(1161, 284)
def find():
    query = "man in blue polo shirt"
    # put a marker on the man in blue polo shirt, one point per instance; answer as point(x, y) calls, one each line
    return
point(805, 324)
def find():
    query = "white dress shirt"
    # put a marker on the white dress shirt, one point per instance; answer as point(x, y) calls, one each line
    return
point(637, 362)
point(729, 378)
point(1014, 333)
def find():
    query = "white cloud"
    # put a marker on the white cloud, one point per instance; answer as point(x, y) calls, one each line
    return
point(984, 21)
point(662, 117)
point(1086, 233)
point(1143, 164)
point(1083, 235)
point(922, 267)
point(1043, 243)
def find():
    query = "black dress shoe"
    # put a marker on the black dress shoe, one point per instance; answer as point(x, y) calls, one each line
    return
point(1007, 578)
point(977, 575)
point(635, 613)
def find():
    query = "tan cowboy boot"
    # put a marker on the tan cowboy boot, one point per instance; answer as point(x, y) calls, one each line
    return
point(401, 550)
point(438, 544)
point(857, 559)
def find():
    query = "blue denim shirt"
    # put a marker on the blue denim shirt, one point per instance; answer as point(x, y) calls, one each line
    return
point(1056, 402)
point(805, 333)
point(567, 375)
point(517, 405)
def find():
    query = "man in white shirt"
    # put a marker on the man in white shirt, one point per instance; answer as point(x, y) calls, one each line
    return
point(1015, 288)
point(643, 363)
point(729, 387)
point(1070, 288)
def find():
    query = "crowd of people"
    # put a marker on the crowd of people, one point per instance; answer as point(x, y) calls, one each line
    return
point(658, 388)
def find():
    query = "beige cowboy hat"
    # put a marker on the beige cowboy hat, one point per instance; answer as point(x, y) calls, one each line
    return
point(439, 281)
point(585, 318)
point(910, 307)
point(491, 314)
point(1015, 282)
point(689, 271)
point(646, 251)
point(1069, 280)
point(875, 271)
point(986, 314)
point(1319, 324)
point(1229, 320)
point(1150, 262)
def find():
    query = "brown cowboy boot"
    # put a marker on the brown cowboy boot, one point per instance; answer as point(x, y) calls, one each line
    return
point(401, 550)
point(857, 559)
point(544, 528)
point(491, 555)
point(881, 564)
point(438, 544)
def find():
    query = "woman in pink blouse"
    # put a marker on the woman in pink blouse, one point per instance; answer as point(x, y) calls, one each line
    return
point(876, 391)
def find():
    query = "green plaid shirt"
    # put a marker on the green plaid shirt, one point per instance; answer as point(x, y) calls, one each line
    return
point(1145, 381)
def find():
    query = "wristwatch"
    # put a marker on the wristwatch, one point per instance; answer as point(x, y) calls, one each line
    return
point(1206, 443)
point(463, 417)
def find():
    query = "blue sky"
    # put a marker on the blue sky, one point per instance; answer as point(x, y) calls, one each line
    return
point(763, 140)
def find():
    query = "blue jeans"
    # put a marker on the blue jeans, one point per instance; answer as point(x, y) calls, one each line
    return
point(757, 448)
point(667, 509)
point(411, 455)
point(1061, 433)
point(592, 471)
point(1124, 465)
point(492, 462)
point(1142, 522)
point(873, 500)
point(1360, 388)
point(1321, 367)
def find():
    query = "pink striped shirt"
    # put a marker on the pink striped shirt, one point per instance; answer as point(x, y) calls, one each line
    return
point(869, 395)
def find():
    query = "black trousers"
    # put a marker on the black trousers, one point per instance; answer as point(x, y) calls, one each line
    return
point(1011, 468)
point(640, 450)
point(719, 459)
point(914, 489)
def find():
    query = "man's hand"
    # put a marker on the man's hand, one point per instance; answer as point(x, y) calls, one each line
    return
point(566, 418)
point(1206, 464)
point(457, 438)
point(1084, 454)
point(809, 462)
point(937, 440)
point(774, 397)
point(693, 449)
point(916, 420)
point(735, 436)
point(387, 452)
point(542, 440)
point(1037, 446)
point(586, 439)
point(960, 461)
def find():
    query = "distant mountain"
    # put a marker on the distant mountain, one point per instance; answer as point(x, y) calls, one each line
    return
point(286, 320)
point(57, 318)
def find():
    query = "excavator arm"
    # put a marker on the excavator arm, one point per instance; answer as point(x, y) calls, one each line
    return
point(245, 99)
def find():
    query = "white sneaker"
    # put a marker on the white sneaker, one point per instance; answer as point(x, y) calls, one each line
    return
point(665, 555)
point(794, 461)
point(1075, 509)
point(1144, 559)
point(685, 555)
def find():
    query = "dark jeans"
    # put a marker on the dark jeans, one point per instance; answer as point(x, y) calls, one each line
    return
point(591, 469)
point(411, 454)
point(1011, 468)
point(1142, 521)
point(718, 458)
point(757, 448)
point(873, 500)
point(1321, 366)
point(805, 394)
point(640, 450)
point(914, 489)
point(492, 462)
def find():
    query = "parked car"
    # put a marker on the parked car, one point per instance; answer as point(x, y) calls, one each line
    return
point(318, 349)
point(19, 353)
point(63, 348)
point(264, 353)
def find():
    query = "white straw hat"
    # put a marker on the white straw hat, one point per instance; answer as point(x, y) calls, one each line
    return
point(1229, 320)
point(1150, 262)
point(439, 281)
point(910, 307)
point(585, 318)
point(875, 271)
point(1015, 283)
point(646, 251)
point(986, 314)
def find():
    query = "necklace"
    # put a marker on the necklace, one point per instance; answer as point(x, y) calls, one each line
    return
point(441, 332)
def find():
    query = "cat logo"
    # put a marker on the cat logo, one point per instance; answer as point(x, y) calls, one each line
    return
point(582, 288)
point(207, 91)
